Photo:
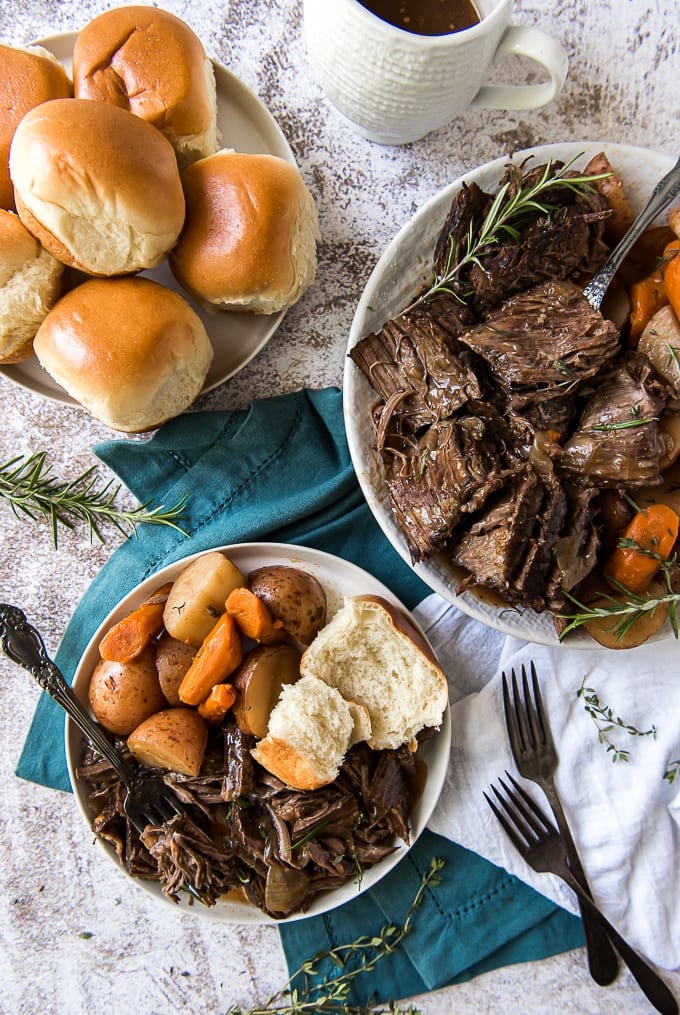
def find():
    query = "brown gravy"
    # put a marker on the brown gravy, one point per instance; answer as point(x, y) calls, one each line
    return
point(426, 17)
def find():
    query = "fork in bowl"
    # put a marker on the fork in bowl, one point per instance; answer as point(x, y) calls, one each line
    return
point(533, 749)
point(148, 801)
point(540, 844)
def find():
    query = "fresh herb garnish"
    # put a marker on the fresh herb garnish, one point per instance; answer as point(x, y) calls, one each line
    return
point(31, 490)
point(508, 214)
point(606, 720)
point(672, 771)
point(329, 994)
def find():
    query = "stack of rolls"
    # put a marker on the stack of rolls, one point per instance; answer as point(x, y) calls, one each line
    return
point(113, 175)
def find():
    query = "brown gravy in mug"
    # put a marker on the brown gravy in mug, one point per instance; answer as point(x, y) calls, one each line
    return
point(426, 17)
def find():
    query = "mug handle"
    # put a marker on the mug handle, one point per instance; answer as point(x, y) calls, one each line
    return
point(522, 40)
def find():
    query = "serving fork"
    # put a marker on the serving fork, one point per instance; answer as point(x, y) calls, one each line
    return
point(535, 754)
point(540, 844)
point(148, 801)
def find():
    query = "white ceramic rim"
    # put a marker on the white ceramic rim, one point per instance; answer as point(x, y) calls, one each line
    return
point(246, 125)
point(392, 292)
point(339, 578)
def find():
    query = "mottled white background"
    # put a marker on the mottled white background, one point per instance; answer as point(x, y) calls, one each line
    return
point(75, 937)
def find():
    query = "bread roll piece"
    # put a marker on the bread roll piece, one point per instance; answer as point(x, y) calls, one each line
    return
point(28, 76)
point(373, 655)
point(30, 282)
point(310, 731)
point(131, 351)
point(249, 240)
point(151, 63)
point(98, 187)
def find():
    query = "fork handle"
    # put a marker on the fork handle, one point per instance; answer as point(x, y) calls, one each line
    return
point(602, 961)
point(649, 981)
point(23, 644)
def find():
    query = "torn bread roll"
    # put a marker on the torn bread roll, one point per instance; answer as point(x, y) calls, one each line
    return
point(129, 350)
point(310, 730)
point(249, 239)
point(29, 75)
point(30, 283)
point(98, 187)
point(150, 62)
point(373, 655)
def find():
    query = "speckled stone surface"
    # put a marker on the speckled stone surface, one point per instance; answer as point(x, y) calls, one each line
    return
point(75, 936)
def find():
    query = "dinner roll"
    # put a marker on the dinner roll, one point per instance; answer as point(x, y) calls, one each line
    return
point(29, 285)
point(131, 351)
point(374, 656)
point(98, 187)
point(310, 731)
point(249, 240)
point(149, 62)
point(28, 76)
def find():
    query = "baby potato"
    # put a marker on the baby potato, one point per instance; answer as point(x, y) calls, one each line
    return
point(173, 659)
point(174, 738)
point(258, 682)
point(122, 695)
point(603, 629)
point(293, 596)
point(197, 597)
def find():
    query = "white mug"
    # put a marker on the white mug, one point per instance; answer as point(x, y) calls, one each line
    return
point(395, 87)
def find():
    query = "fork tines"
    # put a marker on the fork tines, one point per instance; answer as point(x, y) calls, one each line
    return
point(526, 725)
point(528, 820)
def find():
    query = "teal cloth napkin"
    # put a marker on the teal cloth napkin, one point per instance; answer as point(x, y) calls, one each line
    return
point(280, 471)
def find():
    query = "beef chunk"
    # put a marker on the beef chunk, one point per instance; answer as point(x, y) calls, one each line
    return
point(540, 344)
point(448, 471)
point(508, 548)
point(617, 441)
point(413, 364)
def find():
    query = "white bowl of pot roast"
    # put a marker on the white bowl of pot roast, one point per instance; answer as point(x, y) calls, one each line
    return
point(341, 582)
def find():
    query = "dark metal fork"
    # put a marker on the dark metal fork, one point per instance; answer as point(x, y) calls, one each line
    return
point(148, 801)
point(536, 758)
point(539, 842)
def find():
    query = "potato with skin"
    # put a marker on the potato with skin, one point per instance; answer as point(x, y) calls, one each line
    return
point(122, 695)
point(196, 600)
point(603, 629)
point(258, 682)
point(293, 596)
point(174, 738)
point(173, 659)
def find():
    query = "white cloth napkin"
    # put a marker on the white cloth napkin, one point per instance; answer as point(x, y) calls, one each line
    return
point(624, 816)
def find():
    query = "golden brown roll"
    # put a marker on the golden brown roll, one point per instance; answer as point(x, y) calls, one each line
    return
point(29, 285)
point(28, 76)
point(129, 350)
point(249, 239)
point(98, 187)
point(151, 63)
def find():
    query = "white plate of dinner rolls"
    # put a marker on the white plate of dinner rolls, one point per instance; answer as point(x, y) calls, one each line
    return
point(244, 127)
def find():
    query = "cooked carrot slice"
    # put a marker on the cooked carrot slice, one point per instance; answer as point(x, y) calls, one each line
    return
point(215, 706)
point(654, 530)
point(254, 617)
point(130, 636)
point(218, 656)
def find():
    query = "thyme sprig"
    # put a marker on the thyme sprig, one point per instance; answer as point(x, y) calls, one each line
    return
point(31, 489)
point(507, 215)
point(672, 771)
point(330, 993)
point(606, 720)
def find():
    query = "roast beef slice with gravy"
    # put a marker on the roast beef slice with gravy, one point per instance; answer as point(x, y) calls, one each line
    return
point(541, 344)
point(617, 442)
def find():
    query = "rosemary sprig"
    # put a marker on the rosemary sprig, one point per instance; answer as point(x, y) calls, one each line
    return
point(508, 213)
point(330, 993)
point(31, 490)
point(623, 613)
point(605, 721)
